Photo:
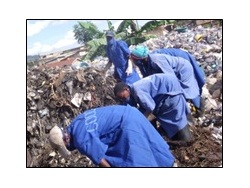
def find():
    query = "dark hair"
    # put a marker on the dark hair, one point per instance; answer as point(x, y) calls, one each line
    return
point(119, 87)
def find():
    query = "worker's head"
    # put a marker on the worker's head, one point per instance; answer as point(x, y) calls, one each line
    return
point(110, 36)
point(139, 52)
point(121, 91)
point(57, 139)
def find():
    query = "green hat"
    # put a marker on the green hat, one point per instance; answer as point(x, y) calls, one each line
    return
point(140, 52)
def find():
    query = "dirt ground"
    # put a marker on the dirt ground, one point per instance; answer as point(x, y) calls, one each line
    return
point(205, 151)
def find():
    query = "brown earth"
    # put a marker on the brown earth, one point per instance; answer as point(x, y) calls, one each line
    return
point(205, 151)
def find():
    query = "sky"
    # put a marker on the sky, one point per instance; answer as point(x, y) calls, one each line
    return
point(46, 36)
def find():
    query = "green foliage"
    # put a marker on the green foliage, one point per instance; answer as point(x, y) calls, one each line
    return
point(125, 24)
point(149, 26)
point(134, 40)
point(121, 36)
point(137, 40)
point(110, 25)
point(99, 51)
point(95, 40)
point(33, 58)
point(85, 32)
point(96, 48)
point(30, 64)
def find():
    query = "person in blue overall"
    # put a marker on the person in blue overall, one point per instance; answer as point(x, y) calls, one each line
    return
point(161, 95)
point(198, 71)
point(151, 63)
point(113, 136)
point(118, 54)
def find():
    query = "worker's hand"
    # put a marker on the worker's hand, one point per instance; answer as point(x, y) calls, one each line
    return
point(129, 70)
point(151, 117)
point(104, 163)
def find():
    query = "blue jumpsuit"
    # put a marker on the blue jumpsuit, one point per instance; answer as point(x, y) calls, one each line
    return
point(198, 71)
point(161, 63)
point(121, 135)
point(162, 95)
point(118, 53)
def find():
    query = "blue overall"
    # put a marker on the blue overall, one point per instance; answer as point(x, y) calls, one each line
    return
point(162, 95)
point(161, 63)
point(198, 71)
point(121, 135)
point(118, 53)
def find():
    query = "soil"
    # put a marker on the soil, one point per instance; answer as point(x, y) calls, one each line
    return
point(204, 151)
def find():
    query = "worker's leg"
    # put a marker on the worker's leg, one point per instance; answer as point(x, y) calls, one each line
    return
point(184, 134)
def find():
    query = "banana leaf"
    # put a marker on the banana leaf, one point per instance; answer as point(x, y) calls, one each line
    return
point(89, 26)
point(110, 25)
point(125, 24)
point(95, 48)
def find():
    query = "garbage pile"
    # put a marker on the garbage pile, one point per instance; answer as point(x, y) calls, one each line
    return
point(205, 44)
point(56, 96)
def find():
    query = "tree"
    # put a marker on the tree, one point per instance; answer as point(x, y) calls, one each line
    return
point(87, 33)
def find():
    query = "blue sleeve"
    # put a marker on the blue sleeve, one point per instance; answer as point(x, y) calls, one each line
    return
point(89, 144)
point(124, 47)
point(108, 52)
point(145, 101)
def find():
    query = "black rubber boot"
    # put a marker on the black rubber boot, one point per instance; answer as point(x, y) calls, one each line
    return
point(201, 110)
point(183, 135)
point(190, 120)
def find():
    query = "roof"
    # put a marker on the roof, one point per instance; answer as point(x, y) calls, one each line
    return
point(67, 61)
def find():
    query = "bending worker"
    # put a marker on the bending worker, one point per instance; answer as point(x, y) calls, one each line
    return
point(198, 71)
point(162, 96)
point(160, 63)
point(113, 136)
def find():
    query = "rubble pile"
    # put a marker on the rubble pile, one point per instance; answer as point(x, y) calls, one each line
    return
point(56, 96)
point(205, 44)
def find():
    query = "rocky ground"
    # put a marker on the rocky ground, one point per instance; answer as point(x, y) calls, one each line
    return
point(56, 96)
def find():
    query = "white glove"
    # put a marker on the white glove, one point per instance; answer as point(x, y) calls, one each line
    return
point(130, 68)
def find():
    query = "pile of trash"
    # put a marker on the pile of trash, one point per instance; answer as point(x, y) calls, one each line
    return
point(56, 96)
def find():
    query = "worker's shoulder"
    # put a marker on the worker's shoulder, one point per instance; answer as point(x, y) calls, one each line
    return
point(121, 42)
point(140, 83)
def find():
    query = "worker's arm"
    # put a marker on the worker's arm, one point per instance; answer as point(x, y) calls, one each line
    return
point(108, 65)
point(104, 163)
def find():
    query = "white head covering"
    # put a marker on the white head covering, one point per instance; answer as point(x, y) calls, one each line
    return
point(56, 141)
